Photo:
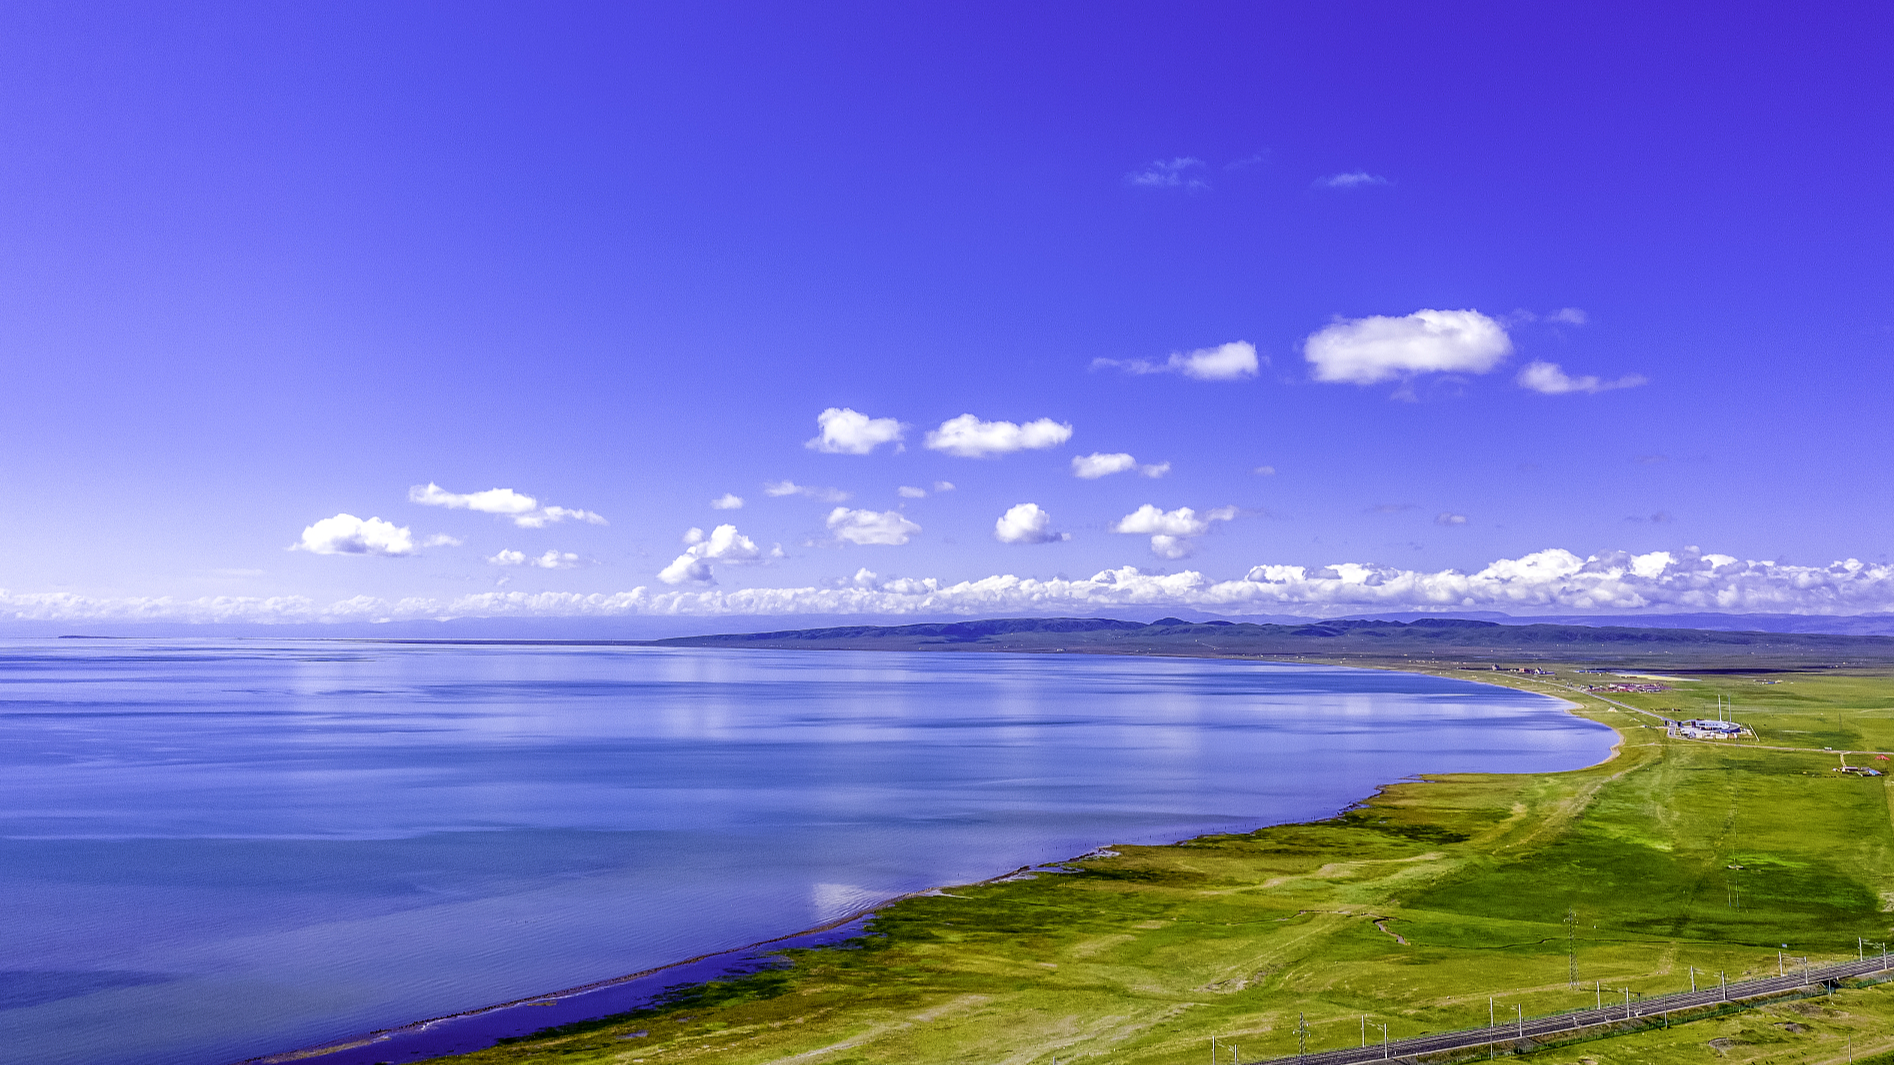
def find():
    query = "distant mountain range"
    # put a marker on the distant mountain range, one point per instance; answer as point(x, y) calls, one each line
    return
point(1463, 640)
point(650, 628)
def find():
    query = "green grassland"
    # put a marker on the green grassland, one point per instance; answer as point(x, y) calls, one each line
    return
point(1409, 911)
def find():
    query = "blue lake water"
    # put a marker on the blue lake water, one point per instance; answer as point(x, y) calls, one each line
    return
point(211, 850)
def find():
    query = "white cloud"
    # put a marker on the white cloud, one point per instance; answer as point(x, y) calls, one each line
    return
point(943, 486)
point(1445, 518)
point(1548, 378)
point(1551, 581)
point(727, 501)
point(1264, 471)
point(1364, 351)
point(791, 488)
point(1183, 172)
point(1099, 464)
point(887, 528)
point(910, 492)
point(970, 438)
point(1026, 524)
point(722, 544)
point(1170, 531)
point(442, 540)
point(687, 569)
point(1148, 519)
point(1354, 179)
point(550, 560)
point(1225, 362)
point(545, 516)
point(523, 509)
point(346, 534)
point(491, 501)
point(850, 432)
point(1568, 316)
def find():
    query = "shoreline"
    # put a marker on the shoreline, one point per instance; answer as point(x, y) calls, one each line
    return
point(752, 957)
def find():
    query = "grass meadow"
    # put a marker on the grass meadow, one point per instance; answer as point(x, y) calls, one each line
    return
point(1426, 907)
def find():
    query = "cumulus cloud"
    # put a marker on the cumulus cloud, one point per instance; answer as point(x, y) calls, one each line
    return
point(1098, 464)
point(727, 501)
point(346, 534)
point(1354, 179)
point(491, 501)
point(943, 486)
point(1365, 351)
point(1170, 530)
point(849, 432)
point(722, 544)
point(1446, 518)
point(1026, 524)
point(970, 438)
point(1568, 316)
point(523, 509)
point(550, 560)
point(888, 528)
point(442, 540)
point(545, 516)
point(1549, 379)
point(1183, 172)
point(1225, 362)
point(791, 488)
point(1544, 582)
point(908, 491)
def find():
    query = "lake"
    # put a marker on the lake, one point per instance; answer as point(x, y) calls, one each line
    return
point(215, 849)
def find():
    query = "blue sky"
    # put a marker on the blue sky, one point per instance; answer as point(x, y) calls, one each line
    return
point(1605, 290)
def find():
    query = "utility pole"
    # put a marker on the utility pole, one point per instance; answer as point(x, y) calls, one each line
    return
point(1520, 1010)
point(1364, 1031)
point(1598, 989)
point(1627, 1003)
point(1693, 979)
point(1213, 1050)
point(1571, 949)
point(1724, 984)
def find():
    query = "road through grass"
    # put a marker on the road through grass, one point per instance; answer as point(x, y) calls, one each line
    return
point(1428, 906)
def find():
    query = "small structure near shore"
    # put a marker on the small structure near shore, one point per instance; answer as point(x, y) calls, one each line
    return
point(1700, 729)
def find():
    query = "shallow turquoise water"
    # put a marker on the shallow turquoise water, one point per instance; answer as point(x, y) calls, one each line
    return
point(212, 850)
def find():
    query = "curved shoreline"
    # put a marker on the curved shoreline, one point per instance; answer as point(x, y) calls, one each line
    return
point(382, 1035)
point(755, 954)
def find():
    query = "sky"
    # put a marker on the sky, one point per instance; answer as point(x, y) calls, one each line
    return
point(363, 311)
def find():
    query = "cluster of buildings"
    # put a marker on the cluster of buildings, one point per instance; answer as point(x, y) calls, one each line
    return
point(1644, 689)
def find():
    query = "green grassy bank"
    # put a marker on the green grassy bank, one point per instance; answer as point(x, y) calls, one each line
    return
point(1409, 911)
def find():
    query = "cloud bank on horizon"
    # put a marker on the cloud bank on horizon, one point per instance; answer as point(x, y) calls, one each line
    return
point(1550, 581)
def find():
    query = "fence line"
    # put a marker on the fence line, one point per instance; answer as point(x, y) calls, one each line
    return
point(1545, 1030)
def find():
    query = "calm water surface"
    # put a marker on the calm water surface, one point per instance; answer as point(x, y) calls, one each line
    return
point(212, 850)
